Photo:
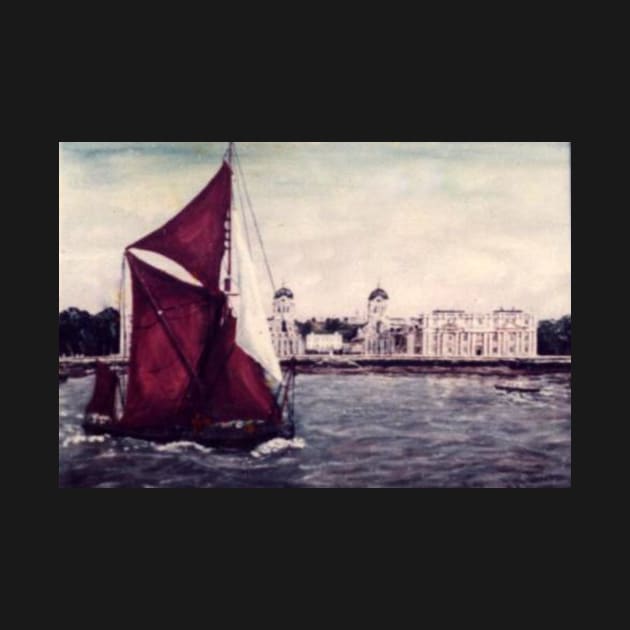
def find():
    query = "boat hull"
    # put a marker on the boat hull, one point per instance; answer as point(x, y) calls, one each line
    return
point(223, 438)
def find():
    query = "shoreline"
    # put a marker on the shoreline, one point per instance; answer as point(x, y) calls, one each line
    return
point(429, 365)
point(76, 367)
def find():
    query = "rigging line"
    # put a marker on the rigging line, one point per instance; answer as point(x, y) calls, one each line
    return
point(242, 205)
point(121, 395)
point(251, 209)
point(122, 329)
point(227, 156)
point(122, 324)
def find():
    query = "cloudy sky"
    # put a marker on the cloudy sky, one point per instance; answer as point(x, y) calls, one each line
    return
point(475, 226)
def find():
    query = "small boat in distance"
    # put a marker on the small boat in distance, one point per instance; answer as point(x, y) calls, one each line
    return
point(518, 387)
point(202, 367)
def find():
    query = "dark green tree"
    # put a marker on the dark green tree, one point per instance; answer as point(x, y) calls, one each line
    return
point(83, 334)
point(305, 328)
point(349, 332)
point(332, 325)
point(106, 331)
point(554, 336)
point(563, 332)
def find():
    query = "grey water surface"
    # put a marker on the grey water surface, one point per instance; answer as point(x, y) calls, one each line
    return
point(355, 430)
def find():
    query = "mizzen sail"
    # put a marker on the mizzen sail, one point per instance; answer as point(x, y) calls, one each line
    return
point(103, 402)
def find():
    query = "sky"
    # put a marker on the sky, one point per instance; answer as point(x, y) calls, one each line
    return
point(473, 226)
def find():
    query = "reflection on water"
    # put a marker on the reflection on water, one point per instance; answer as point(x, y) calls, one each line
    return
point(354, 431)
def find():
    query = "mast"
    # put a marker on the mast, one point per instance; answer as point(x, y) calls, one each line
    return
point(228, 228)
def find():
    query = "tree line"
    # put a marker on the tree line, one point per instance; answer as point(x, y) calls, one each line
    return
point(82, 334)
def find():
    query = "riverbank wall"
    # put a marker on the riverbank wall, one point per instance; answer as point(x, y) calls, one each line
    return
point(75, 367)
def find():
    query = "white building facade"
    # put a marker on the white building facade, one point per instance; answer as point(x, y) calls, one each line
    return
point(384, 335)
point(448, 333)
point(324, 344)
point(376, 333)
point(443, 333)
point(285, 336)
point(501, 334)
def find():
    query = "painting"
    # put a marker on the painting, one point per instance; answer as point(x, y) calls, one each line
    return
point(315, 314)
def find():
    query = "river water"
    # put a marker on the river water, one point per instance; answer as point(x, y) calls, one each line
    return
point(360, 430)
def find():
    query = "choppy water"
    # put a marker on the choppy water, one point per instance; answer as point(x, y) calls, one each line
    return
point(354, 431)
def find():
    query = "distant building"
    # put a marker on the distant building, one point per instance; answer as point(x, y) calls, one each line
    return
point(503, 333)
point(448, 333)
point(442, 333)
point(354, 346)
point(384, 335)
point(377, 337)
point(285, 336)
point(324, 343)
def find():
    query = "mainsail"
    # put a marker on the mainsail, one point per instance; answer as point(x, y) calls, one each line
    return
point(195, 238)
point(190, 355)
point(172, 321)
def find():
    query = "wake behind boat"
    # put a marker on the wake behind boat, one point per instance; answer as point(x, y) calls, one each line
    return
point(202, 366)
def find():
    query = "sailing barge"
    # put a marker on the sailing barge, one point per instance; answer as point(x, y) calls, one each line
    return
point(202, 366)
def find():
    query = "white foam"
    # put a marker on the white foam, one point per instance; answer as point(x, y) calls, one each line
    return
point(82, 439)
point(178, 447)
point(277, 445)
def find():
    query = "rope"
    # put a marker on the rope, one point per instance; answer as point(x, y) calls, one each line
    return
point(121, 310)
point(122, 333)
point(227, 156)
point(251, 209)
point(242, 205)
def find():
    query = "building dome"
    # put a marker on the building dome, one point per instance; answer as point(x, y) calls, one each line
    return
point(283, 292)
point(378, 293)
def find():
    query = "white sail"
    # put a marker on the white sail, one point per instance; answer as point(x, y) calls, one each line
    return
point(252, 329)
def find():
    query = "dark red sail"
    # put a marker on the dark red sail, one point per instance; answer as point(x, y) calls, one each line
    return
point(103, 401)
point(237, 386)
point(172, 322)
point(195, 238)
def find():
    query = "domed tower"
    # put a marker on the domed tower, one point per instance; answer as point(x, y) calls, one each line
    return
point(377, 305)
point(284, 304)
point(378, 340)
point(285, 336)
